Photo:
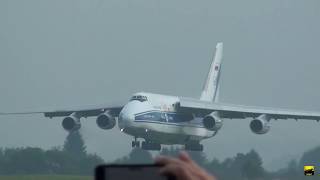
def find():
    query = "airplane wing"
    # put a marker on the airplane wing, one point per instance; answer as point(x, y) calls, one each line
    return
point(113, 108)
point(240, 112)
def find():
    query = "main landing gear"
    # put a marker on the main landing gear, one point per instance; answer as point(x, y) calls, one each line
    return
point(194, 146)
point(147, 145)
point(135, 143)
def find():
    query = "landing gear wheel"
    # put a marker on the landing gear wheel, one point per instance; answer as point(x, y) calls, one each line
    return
point(201, 147)
point(151, 146)
point(135, 144)
point(194, 147)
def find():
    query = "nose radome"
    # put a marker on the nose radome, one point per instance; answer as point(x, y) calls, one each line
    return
point(126, 115)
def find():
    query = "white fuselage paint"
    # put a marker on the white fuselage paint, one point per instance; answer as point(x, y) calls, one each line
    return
point(156, 119)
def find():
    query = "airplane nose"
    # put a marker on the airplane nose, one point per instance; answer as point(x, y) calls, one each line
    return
point(126, 116)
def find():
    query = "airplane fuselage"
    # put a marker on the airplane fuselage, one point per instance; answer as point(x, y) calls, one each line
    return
point(154, 117)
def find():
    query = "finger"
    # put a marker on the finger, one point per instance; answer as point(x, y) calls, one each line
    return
point(193, 166)
point(184, 156)
point(178, 171)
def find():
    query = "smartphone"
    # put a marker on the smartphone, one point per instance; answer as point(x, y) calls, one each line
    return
point(131, 172)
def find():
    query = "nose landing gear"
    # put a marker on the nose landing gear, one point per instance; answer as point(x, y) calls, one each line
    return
point(135, 143)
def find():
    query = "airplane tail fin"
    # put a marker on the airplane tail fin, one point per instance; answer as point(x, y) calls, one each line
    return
point(210, 90)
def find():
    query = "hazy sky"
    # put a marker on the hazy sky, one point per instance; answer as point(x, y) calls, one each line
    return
point(56, 54)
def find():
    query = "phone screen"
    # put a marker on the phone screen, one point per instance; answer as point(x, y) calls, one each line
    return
point(131, 172)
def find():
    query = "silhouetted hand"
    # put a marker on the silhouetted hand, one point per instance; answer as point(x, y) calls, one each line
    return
point(183, 168)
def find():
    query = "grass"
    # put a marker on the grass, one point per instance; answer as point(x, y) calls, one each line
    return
point(46, 177)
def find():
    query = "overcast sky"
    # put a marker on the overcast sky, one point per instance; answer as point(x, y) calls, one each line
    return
point(56, 54)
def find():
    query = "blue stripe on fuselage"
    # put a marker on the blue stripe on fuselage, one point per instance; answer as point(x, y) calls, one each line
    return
point(168, 118)
point(173, 124)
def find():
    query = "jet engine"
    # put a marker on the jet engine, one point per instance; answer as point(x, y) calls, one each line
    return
point(260, 125)
point(71, 123)
point(106, 121)
point(212, 121)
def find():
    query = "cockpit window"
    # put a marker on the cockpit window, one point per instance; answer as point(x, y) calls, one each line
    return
point(139, 98)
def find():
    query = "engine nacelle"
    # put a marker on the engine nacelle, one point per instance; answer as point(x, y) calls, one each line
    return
point(260, 125)
point(71, 123)
point(212, 121)
point(106, 121)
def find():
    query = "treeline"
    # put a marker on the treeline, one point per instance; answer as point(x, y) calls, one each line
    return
point(73, 159)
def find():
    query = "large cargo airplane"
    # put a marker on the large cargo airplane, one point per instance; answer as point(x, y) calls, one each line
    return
point(158, 119)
